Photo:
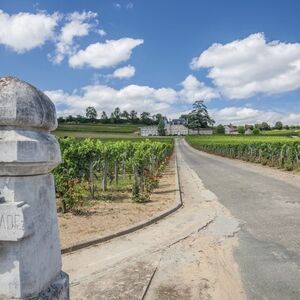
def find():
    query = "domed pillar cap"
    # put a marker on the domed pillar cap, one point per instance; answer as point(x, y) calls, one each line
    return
point(24, 106)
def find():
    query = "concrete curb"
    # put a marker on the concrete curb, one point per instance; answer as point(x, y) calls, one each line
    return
point(135, 227)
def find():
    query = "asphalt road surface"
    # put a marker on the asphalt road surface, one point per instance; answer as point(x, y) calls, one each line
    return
point(237, 236)
point(267, 203)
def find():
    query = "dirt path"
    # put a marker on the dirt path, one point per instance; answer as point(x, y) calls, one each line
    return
point(105, 217)
point(185, 256)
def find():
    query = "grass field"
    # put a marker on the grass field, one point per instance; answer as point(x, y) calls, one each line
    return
point(103, 128)
point(283, 132)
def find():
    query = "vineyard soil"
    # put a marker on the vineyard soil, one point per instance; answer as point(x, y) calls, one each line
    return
point(103, 217)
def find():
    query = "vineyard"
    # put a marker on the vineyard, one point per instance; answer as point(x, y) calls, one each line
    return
point(91, 166)
point(280, 152)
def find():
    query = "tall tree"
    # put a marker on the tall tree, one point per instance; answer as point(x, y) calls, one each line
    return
point(278, 125)
point(117, 114)
point(265, 126)
point(91, 113)
point(125, 115)
point(112, 118)
point(104, 117)
point(161, 127)
point(145, 118)
point(199, 117)
point(133, 116)
point(157, 118)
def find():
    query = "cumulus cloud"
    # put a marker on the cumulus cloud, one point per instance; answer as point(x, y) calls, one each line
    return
point(124, 72)
point(103, 97)
point(193, 90)
point(77, 25)
point(243, 68)
point(24, 31)
point(138, 97)
point(108, 54)
point(102, 32)
point(245, 115)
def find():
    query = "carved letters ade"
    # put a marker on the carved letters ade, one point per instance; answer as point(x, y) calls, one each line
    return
point(14, 223)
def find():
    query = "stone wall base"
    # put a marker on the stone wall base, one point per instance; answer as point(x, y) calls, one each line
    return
point(58, 289)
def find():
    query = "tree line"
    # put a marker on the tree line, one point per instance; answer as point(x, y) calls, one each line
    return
point(116, 117)
point(257, 128)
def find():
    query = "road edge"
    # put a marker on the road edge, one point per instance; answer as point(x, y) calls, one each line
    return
point(135, 227)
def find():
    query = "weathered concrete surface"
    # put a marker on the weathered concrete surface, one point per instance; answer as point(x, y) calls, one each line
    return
point(23, 105)
point(267, 202)
point(30, 260)
point(172, 259)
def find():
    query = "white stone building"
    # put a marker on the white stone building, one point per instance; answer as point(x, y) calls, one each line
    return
point(149, 131)
point(229, 129)
point(173, 130)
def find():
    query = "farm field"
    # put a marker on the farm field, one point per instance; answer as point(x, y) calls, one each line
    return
point(275, 151)
point(115, 210)
point(283, 132)
point(104, 128)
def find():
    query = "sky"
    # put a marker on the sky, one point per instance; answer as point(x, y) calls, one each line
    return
point(241, 57)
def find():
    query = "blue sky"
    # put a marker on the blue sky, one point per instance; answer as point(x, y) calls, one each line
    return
point(242, 57)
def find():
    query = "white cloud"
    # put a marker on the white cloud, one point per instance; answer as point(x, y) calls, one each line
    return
point(245, 115)
point(102, 32)
point(108, 54)
point(124, 72)
point(193, 90)
point(243, 68)
point(77, 25)
point(140, 98)
point(25, 31)
point(103, 97)
point(117, 5)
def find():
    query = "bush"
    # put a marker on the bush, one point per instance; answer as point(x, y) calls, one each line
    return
point(256, 131)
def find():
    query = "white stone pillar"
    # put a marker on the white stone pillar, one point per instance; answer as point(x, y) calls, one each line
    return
point(30, 258)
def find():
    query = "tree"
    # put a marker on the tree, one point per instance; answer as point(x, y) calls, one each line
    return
point(117, 114)
point(256, 131)
point(265, 126)
point(145, 118)
point(241, 129)
point(249, 127)
point(278, 125)
point(220, 129)
point(112, 118)
point(60, 120)
point(133, 116)
point(125, 115)
point(199, 117)
point(91, 113)
point(157, 118)
point(104, 117)
point(161, 127)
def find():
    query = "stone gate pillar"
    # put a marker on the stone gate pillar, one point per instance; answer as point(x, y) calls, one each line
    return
point(30, 258)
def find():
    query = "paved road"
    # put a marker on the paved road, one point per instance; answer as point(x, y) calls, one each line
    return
point(186, 256)
point(267, 203)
